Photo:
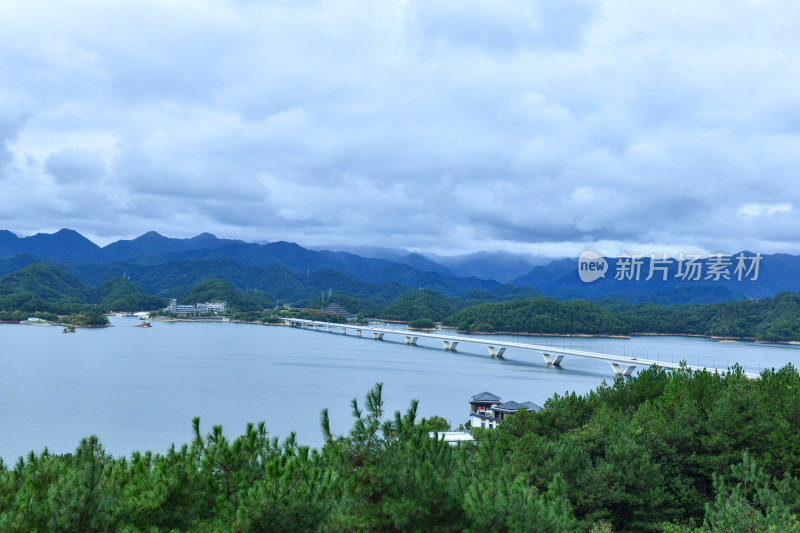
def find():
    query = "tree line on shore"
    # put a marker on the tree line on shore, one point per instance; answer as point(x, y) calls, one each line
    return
point(38, 289)
point(767, 319)
point(668, 450)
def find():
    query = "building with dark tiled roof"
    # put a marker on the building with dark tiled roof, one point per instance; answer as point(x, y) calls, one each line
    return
point(486, 397)
point(530, 406)
point(486, 410)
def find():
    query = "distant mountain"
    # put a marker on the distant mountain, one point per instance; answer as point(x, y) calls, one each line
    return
point(376, 252)
point(423, 264)
point(777, 273)
point(9, 244)
point(546, 277)
point(12, 264)
point(165, 265)
point(174, 278)
point(498, 266)
point(152, 243)
point(64, 245)
point(70, 246)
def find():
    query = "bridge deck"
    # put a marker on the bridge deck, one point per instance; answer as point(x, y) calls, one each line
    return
point(552, 355)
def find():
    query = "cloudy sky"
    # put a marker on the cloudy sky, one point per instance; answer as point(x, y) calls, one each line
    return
point(448, 126)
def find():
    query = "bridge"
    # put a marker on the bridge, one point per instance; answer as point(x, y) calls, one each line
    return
point(622, 365)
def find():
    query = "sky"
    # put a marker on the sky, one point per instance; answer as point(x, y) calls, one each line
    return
point(446, 126)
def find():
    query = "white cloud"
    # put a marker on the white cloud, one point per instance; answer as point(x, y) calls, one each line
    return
point(747, 211)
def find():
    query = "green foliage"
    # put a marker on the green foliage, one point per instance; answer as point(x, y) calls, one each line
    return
point(435, 423)
point(46, 281)
point(356, 306)
point(39, 288)
point(754, 501)
point(768, 319)
point(422, 323)
point(120, 294)
point(664, 451)
point(89, 317)
point(538, 315)
point(421, 304)
point(218, 290)
point(646, 451)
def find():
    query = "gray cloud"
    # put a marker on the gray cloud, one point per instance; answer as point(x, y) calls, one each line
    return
point(541, 127)
point(72, 165)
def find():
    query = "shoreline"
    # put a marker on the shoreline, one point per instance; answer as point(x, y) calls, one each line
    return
point(55, 324)
point(207, 319)
point(635, 334)
point(718, 338)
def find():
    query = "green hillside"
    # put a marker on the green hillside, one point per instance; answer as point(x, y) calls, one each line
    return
point(39, 288)
point(539, 315)
point(47, 282)
point(219, 290)
point(120, 294)
point(421, 304)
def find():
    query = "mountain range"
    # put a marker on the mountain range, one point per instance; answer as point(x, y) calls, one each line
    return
point(167, 266)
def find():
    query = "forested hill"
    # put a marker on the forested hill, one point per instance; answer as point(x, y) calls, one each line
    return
point(539, 315)
point(766, 319)
point(48, 289)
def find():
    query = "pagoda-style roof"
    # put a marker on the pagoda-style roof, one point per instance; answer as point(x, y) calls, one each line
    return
point(486, 397)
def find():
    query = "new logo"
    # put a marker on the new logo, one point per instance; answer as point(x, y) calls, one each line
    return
point(591, 266)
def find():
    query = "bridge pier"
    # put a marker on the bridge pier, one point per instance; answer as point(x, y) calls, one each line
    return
point(496, 353)
point(618, 369)
point(548, 359)
point(358, 333)
point(448, 345)
point(344, 330)
point(377, 336)
point(411, 340)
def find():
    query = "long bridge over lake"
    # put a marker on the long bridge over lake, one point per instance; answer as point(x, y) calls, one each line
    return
point(621, 364)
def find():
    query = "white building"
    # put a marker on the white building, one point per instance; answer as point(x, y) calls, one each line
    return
point(453, 437)
point(203, 308)
point(216, 307)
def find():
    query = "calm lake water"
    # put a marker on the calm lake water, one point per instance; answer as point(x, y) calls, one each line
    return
point(139, 388)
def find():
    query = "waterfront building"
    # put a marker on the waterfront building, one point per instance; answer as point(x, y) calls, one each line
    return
point(202, 308)
point(487, 410)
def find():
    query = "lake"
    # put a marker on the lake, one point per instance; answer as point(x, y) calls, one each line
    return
point(139, 388)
